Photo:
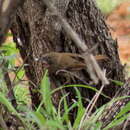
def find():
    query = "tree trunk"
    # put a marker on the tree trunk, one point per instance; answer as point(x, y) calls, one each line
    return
point(37, 31)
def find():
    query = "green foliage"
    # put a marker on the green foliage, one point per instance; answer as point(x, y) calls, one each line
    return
point(81, 110)
point(80, 86)
point(8, 57)
point(107, 6)
point(9, 52)
point(46, 94)
point(118, 83)
point(22, 96)
point(120, 117)
point(46, 115)
point(92, 122)
point(52, 118)
point(11, 109)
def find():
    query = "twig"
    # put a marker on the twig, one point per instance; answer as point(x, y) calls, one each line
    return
point(8, 83)
point(10, 89)
point(86, 110)
point(90, 106)
point(92, 66)
point(19, 69)
point(125, 124)
point(72, 74)
point(95, 100)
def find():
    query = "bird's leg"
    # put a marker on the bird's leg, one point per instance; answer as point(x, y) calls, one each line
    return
point(72, 75)
point(67, 75)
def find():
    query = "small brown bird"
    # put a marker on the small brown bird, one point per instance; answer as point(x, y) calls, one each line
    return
point(55, 61)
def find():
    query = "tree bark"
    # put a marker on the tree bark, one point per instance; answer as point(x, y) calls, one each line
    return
point(37, 31)
point(7, 9)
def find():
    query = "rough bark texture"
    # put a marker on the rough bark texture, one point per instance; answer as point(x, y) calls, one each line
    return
point(37, 31)
point(7, 9)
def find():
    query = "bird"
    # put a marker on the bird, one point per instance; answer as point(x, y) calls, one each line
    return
point(55, 61)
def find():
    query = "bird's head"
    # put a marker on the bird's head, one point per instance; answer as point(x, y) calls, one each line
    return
point(46, 60)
